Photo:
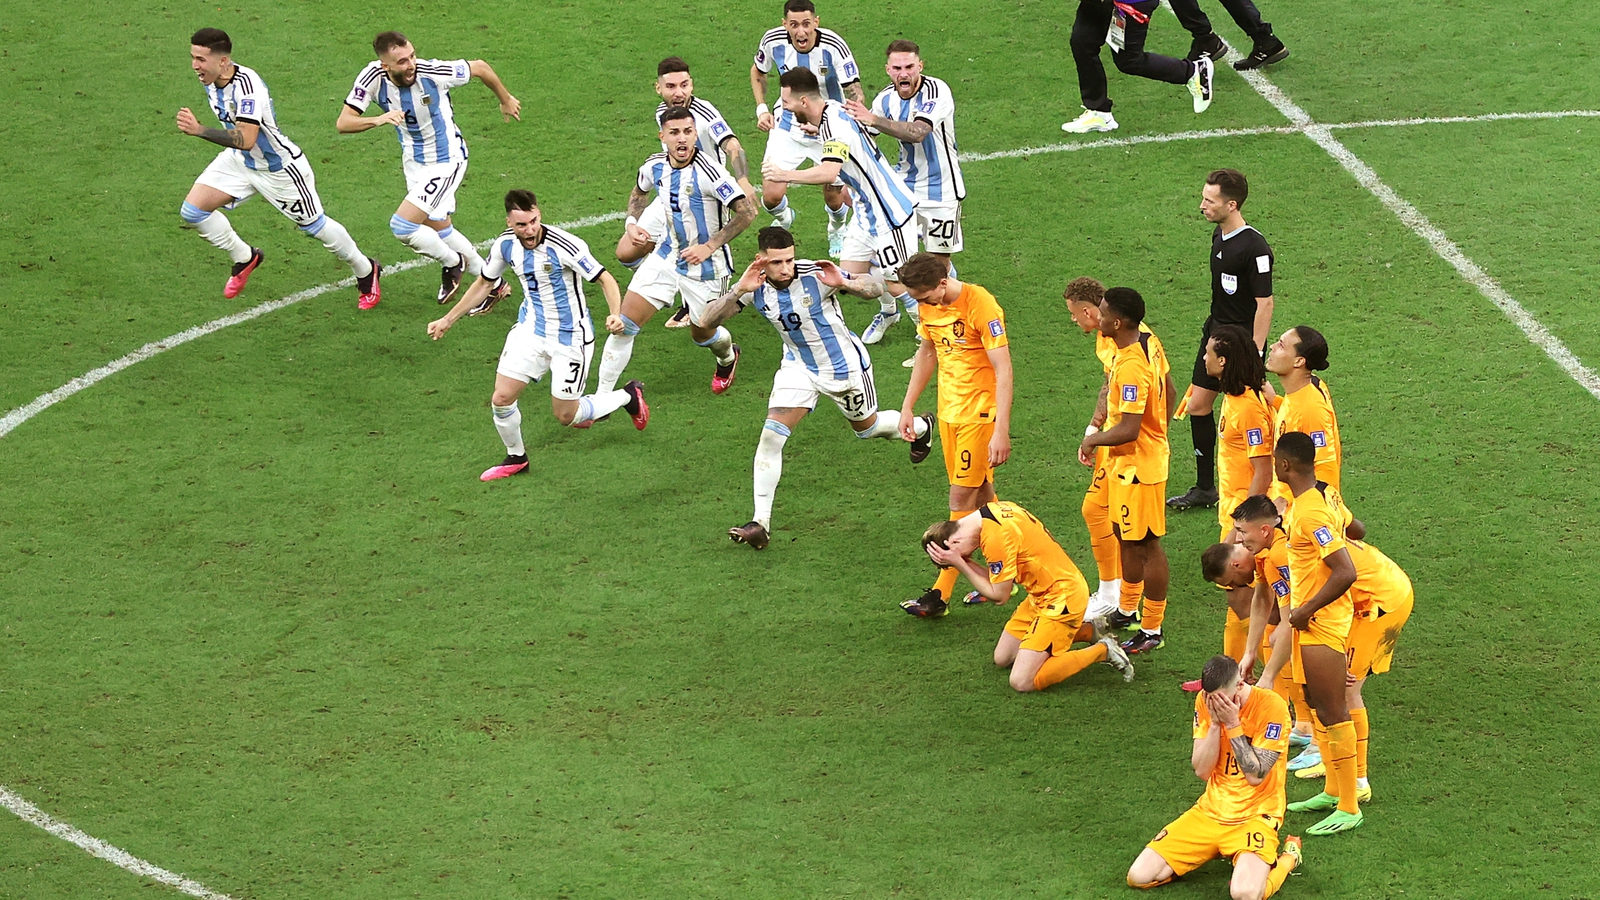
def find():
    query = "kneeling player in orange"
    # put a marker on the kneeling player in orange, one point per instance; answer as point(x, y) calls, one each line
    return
point(1037, 642)
point(1240, 735)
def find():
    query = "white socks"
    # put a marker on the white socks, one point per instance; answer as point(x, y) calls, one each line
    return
point(613, 359)
point(720, 345)
point(341, 244)
point(769, 468)
point(219, 231)
point(596, 406)
point(888, 426)
point(458, 242)
point(427, 242)
point(508, 421)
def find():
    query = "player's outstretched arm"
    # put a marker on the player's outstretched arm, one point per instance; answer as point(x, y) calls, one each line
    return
point(821, 173)
point(510, 107)
point(910, 132)
point(474, 296)
point(241, 138)
point(738, 160)
point(1000, 444)
point(1281, 649)
point(1261, 603)
point(865, 285)
point(352, 122)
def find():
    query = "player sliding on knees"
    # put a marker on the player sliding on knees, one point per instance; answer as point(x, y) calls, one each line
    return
point(553, 333)
point(821, 356)
point(1036, 644)
point(707, 210)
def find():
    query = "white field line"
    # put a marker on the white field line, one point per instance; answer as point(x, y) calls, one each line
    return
point(96, 847)
point(1303, 125)
point(1413, 218)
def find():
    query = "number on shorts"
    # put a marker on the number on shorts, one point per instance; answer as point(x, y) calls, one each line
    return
point(943, 229)
point(577, 369)
point(1126, 513)
point(296, 208)
point(889, 257)
point(966, 460)
point(1256, 840)
point(430, 187)
point(854, 402)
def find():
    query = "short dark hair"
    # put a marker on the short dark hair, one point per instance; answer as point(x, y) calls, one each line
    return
point(1242, 366)
point(1296, 447)
point(800, 80)
point(1127, 304)
point(1218, 672)
point(903, 46)
point(671, 64)
point(1311, 346)
point(791, 6)
point(1231, 184)
point(923, 270)
point(518, 198)
point(774, 237)
point(1214, 561)
point(675, 113)
point(1085, 290)
point(387, 41)
point(1256, 508)
point(214, 39)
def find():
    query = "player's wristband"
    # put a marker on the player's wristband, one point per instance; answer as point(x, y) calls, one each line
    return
point(762, 109)
point(1234, 732)
point(1090, 431)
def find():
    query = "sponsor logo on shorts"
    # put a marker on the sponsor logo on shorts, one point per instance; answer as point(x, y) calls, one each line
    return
point(1253, 437)
point(1319, 439)
point(994, 568)
point(1130, 393)
point(1274, 731)
point(1160, 836)
point(1323, 535)
point(996, 327)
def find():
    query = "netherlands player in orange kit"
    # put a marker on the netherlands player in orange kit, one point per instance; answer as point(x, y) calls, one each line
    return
point(1139, 403)
point(1244, 451)
point(1320, 612)
point(1240, 735)
point(1307, 404)
point(1083, 297)
point(1037, 642)
point(964, 339)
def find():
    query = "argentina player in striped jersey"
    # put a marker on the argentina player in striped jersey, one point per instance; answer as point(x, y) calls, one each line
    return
point(801, 42)
point(257, 159)
point(706, 210)
point(918, 111)
point(553, 333)
point(883, 231)
point(716, 140)
point(821, 356)
point(415, 97)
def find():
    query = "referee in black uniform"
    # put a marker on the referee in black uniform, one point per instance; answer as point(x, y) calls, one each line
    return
point(1241, 294)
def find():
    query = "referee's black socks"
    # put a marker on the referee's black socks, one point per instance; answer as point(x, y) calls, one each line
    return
point(1204, 429)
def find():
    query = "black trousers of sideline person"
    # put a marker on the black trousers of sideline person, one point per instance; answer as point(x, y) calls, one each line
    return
point(1089, 35)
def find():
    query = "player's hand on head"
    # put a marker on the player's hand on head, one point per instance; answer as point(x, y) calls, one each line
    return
point(754, 275)
point(830, 274)
point(941, 555)
point(511, 108)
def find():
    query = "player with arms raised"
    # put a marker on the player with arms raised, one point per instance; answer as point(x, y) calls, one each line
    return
point(802, 42)
point(919, 111)
point(414, 95)
point(821, 357)
point(553, 333)
point(257, 159)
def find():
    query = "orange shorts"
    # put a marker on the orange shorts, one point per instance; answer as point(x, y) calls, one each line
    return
point(1225, 508)
point(1194, 839)
point(1140, 510)
point(966, 452)
point(1330, 627)
point(1371, 645)
point(1043, 633)
point(1099, 493)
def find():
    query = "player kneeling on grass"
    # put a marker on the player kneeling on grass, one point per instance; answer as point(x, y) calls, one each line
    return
point(821, 356)
point(553, 333)
point(1037, 642)
point(1240, 735)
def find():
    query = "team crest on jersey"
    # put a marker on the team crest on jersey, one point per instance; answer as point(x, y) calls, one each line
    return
point(1274, 731)
point(726, 192)
point(426, 100)
point(1130, 393)
point(994, 568)
point(996, 328)
point(1253, 437)
point(1323, 535)
point(247, 107)
point(959, 329)
point(1319, 439)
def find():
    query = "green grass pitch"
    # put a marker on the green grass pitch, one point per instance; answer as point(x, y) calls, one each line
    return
point(261, 624)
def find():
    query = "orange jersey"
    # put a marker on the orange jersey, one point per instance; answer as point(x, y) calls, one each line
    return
point(1272, 567)
point(1380, 583)
point(963, 333)
point(1105, 350)
point(1310, 410)
point(1230, 798)
point(1138, 384)
point(1315, 524)
point(1245, 435)
point(1019, 548)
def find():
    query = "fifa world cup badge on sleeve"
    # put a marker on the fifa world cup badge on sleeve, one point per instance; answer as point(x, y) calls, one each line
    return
point(725, 191)
point(996, 328)
point(1130, 393)
point(994, 568)
point(1274, 731)
point(1323, 535)
point(247, 107)
point(1319, 439)
point(1253, 437)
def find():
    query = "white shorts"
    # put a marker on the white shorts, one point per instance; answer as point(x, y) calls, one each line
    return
point(431, 187)
point(654, 220)
point(292, 189)
point(527, 357)
point(658, 281)
point(794, 387)
point(940, 224)
point(788, 149)
point(886, 251)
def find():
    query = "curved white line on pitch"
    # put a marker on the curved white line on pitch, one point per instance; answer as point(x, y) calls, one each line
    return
point(1530, 326)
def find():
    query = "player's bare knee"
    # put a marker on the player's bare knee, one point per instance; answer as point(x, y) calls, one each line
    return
point(1242, 891)
point(1021, 682)
point(503, 398)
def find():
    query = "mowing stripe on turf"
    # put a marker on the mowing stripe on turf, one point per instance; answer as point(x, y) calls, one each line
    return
point(1413, 218)
point(96, 847)
point(1302, 124)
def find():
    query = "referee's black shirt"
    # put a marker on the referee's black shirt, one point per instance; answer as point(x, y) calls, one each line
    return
point(1241, 271)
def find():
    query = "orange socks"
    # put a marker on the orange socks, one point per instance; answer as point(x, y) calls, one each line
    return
point(1279, 874)
point(1342, 765)
point(1061, 666)
point(1363, 729)
point(1131, 592)
point(1235, 633)
point(1103, 540)
point(1154, 612)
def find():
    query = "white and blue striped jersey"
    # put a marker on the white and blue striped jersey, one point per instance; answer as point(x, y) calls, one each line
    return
point(930, 168)
point(710, 128)
point(429, 134)
point(829, 59)
point(552, 276)
point(882, 199)
point(806, 315)
point(244, 100)
point(697, 198)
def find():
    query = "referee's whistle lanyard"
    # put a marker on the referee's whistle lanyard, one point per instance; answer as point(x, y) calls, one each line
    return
point(1132, 13)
